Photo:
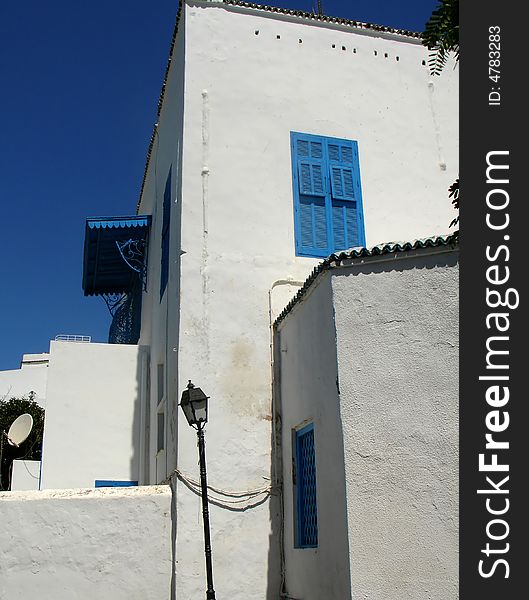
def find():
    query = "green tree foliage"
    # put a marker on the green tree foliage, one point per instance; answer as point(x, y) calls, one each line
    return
point(454, 194)
point(441, 34)
point(441, 37)
point(30, 449)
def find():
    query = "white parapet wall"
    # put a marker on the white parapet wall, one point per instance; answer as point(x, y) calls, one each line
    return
point(92, 424)
point(86, 544)
point(25, 475)
point(398, 353)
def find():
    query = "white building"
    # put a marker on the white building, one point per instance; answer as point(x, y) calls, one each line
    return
point(366, 394)
point(232, 227)
point(92, 420)
point(281, 138)
point(30, 377)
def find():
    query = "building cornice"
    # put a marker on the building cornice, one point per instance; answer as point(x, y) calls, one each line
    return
point(386, 251)
point(323, 18)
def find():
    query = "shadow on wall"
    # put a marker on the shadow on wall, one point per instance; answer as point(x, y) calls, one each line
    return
point(166, 310)
point(314, 557)
point(276, 567)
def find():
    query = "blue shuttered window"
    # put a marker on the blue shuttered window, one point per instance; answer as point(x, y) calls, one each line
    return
point(328, 213)
point(305, 482)
point(166, 222)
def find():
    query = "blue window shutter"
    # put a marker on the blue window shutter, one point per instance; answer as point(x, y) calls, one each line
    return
point(342, 182)
point(313, 224)
point(327, 195)
point(346, 195)
point(310, 178)
point(341, 162)
point(345, 225)
point(334, 151)
point(341, 151)
point(166, 222)
point(309, 146)
point(339, 226)
point(352, 226)
point(307, 517)
point(320, 226)
point(306, 218)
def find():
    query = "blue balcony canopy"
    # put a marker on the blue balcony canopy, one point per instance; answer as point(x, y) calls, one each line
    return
point(114, 253)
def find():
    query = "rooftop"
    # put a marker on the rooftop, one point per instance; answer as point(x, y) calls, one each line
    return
point(258, 8)
point(325, 18)
point(391, 248)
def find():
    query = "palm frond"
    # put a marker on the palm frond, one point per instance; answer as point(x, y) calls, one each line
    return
point(453, 192)
point(441, 35)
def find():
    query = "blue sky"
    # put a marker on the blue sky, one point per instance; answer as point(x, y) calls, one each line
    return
point(79, 88)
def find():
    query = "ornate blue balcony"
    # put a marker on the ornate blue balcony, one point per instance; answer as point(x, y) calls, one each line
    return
point(115, 267)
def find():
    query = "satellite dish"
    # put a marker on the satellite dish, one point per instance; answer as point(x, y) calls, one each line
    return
point(20, 429)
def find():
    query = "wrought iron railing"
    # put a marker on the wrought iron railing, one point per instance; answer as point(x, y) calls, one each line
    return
point(67, 337)
point(126, 317)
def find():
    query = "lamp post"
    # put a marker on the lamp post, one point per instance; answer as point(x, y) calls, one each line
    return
point(194, 403)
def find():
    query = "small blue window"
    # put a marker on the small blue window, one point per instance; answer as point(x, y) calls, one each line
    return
point(164, 274)
point(306, 534)
point(114, 483)
point(328, 214)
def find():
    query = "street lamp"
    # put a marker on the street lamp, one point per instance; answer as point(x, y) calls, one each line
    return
point(194, 403)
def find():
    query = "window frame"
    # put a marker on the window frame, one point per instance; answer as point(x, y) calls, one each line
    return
point(299, 497)
point(330, 200)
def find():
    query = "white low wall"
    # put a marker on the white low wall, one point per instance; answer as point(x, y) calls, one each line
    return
point(25, 475)
point(398, 351)
point(86, 544)
point(91, 429)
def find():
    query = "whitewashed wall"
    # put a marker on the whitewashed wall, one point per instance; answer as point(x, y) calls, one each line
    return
point(31, 377)
point(395, 421)
point(398, 350)
point(25, 475)
point(259, 88)
point(231, 99)
point(91, 428)
point(79, 544)
point(161, 317)
point(307, 378)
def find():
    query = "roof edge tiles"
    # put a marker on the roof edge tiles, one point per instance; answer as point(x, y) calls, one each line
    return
point(324, 18)
point(160, 103)
point(336, 259)
point(257, 7)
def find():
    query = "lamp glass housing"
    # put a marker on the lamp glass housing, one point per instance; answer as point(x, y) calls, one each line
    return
point(194, 403)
